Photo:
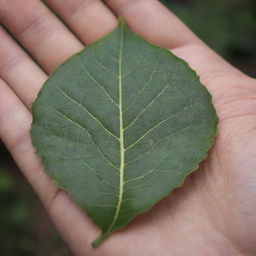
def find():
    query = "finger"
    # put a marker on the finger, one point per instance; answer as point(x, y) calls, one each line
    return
point(153, 21)
point(40, 32)
point(88, 19)
point(18, 70)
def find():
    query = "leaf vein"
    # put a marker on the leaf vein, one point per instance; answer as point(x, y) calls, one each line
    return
point(86, 110)
point(105, 193)
point(142, 90)
point(103, 66)
point(82, 127)
point(163, 121)
point(121, 139)
point(113, 58)
point(150, 104)
point(94, 79)
point(145, 174)
point(170, 135)
point(97, 174)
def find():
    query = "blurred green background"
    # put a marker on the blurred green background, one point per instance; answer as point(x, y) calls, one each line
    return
point(228, 26)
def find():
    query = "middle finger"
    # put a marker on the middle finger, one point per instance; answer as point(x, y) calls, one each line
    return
point(88, 19)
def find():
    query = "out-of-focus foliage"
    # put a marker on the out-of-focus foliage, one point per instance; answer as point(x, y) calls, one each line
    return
point(25, 229)
point(228, 26)
point(14, 216)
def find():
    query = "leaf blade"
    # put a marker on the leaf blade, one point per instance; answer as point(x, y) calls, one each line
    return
point(153, 111)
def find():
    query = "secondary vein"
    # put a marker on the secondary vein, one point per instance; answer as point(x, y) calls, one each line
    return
point(87, 111)
point(89, 134)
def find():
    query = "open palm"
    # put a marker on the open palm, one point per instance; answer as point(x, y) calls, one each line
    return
point(214, 213)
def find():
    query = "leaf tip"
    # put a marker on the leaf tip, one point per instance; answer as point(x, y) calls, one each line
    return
point(121, 21)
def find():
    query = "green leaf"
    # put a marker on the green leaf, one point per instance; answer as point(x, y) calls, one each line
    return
point(120, 125)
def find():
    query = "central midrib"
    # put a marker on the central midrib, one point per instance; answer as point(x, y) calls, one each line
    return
point(121, 136)
point(121, 139)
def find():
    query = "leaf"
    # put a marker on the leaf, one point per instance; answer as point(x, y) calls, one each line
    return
point(120, 125)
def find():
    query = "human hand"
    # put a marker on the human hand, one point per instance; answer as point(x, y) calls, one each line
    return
point(214, 213)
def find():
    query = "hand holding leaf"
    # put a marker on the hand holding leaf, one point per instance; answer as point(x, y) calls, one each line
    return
point(214, 212)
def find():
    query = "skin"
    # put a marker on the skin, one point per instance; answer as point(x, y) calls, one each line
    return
point(214, 213)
